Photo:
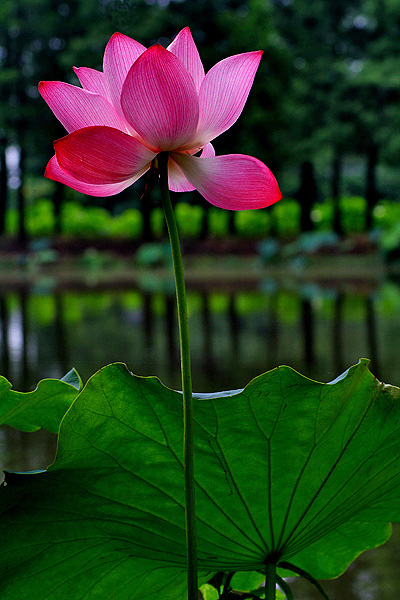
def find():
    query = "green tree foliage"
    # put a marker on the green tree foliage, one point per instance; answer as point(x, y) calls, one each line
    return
point(347, 76)
point(328, 84)
point(43, 39)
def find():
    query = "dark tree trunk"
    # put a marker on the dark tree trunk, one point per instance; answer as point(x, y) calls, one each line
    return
point(4, 328)
point(25, 369)
point(205, 222)
point(231, 222)
point(372, 338)
point(22, 232)
point(337, 169)
point(3, 186)
point(145, 209)
point(208, 349)
point(307, 322)
point(171, 349)
point(61, 345)
point(307, 195)
point(273, 327)
point(234, 326)
point(146, 203)
point(371, 192)
point(337, 335)
point(58, 198)
point(148, 322)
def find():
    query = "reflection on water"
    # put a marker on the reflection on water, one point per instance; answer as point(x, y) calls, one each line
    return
point(235, 335)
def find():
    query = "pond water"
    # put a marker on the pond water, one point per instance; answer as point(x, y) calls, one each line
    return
point(236, 334)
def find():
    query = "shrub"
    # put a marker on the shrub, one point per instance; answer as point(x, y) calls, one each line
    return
point(189, 219)
point(85, 222)
point(386, 214)
point(157, 222)
point(218, 222)
point(40, 218)
point(128, 224)
point(286, 216)
point(322, 215)
point(252, 223)
point(353, 212)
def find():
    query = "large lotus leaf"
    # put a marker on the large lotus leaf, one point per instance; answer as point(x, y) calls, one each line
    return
point(43, 407)
point(287, 470)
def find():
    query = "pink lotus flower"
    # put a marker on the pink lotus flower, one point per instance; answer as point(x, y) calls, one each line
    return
point(148, 101)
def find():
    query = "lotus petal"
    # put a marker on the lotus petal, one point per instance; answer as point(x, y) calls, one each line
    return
point(92, 81)
point(159, 100)
point(224, 92)
point(102, 155)
point(185, 49)
point(119, 55)
point(76, 108)
point(233, 181)
point(177, 181)
point(55, 172)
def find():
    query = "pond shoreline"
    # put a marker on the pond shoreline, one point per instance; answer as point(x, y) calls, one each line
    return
point(355, 263)
point(72, 246)
point(201, 272)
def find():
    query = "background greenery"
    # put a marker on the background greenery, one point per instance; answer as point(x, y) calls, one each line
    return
point(323, 113)
point(282, 220)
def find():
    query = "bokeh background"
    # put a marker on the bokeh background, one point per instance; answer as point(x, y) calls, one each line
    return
point(324, 106)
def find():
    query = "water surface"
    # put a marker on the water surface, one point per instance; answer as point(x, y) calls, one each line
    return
point(236, 334)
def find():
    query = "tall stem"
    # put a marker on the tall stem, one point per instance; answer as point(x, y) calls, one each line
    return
point(188, 465)
point(270, 582)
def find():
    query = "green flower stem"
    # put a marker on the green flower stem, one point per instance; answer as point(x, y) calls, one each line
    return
point(270, 581)
point(162, 160)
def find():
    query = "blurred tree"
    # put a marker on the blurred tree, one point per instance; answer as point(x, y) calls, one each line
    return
point(265, 128)
point(307, 195)
point(3, 185)
point(328, 83)
point(33, 34)
point(42, 39)
point(222, 28)
point(319, 36)
point(347, 59)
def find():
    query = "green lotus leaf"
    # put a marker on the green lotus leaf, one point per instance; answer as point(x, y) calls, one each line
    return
point(44, 407)
point(287, 470)
point(209, 592)
point(246, 581)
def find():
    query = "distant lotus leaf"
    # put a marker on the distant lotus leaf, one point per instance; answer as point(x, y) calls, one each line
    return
point(44, 407)
point(288, 470)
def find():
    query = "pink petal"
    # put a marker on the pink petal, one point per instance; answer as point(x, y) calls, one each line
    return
point(76, 108)
point(233, 181)
point(177, 182)
point(207, 151)
point(159, 100)
point(224, 92)
point(55, 172)
point(92, 81)
point(102, 155)
point(119, 55)
point(184, 48)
